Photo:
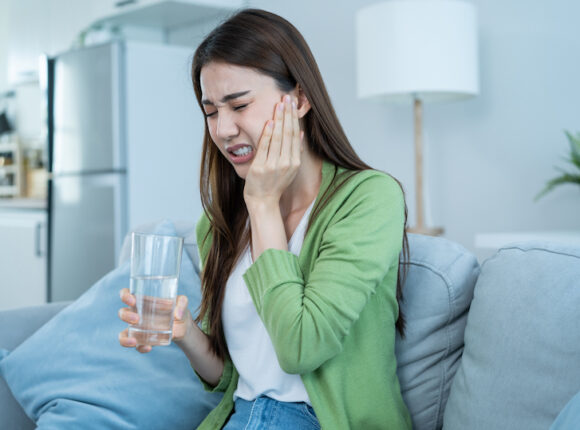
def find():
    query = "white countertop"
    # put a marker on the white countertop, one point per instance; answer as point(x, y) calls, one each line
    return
point(23, 203)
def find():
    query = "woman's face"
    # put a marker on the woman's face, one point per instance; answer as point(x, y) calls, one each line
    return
point(238, 101)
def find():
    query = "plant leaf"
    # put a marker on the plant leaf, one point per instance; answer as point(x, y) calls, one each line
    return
point(566, 177)
point(552, 183)
point(574, 148)
point(573, 163)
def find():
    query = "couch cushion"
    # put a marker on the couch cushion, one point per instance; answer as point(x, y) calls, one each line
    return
point(437, 293)
point(569, 417)
point(522, 341)
point(73, 371)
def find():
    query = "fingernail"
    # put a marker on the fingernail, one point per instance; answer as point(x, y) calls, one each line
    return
point(287, 98)
point(280, 107)
point(294, 105)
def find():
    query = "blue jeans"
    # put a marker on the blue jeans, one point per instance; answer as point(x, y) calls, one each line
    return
point(265, 413)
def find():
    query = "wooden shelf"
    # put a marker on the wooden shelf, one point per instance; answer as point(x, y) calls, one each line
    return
point(14, 169)
point(9, 190)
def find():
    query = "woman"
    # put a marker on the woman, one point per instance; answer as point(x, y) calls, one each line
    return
point(299, 243)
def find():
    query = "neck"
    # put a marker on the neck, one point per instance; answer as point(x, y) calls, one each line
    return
point(305, 186)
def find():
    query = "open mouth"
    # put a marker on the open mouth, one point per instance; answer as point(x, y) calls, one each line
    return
point(241, 153)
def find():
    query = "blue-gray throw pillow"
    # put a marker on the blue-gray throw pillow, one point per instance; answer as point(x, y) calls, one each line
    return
point(569, 417)
point(521, 359)
point(72, 373)
point(437, 293)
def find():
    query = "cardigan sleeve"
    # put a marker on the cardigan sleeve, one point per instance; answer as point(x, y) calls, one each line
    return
point(225, 379)
point(308, 320)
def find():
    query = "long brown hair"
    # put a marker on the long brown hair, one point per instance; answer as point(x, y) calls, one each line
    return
point(269, 44)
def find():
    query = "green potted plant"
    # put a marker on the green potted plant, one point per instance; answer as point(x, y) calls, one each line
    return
point(566, 177)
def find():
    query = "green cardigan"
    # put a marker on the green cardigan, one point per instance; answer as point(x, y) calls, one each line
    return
point(331, 311)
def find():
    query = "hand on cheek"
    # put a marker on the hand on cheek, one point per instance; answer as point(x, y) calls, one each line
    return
point(278, 155)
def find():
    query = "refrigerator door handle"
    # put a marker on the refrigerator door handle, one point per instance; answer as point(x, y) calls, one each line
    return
point(37, 240)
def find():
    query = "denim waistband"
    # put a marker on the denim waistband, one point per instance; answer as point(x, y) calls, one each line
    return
point(267, 413)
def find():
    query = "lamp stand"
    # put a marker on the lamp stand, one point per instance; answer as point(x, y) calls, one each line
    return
point(420, 227)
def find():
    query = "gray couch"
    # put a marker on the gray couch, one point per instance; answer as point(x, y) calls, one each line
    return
point(15, 326)
point(488, 347)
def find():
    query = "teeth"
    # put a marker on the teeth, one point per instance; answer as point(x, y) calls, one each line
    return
point(243, 151)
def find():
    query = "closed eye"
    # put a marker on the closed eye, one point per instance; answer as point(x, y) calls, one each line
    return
point(235, 108)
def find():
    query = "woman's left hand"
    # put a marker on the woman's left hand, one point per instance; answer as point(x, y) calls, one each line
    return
point(277, 158)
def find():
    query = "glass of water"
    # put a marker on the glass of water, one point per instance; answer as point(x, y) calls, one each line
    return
point(155, 264)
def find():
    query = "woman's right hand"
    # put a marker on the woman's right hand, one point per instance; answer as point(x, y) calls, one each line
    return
point(182, 321)
point(278, 156)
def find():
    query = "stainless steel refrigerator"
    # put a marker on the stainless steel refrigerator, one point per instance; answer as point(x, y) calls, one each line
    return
point(124, 136)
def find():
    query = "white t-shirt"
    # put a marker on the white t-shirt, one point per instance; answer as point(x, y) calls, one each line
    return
point(249, 344)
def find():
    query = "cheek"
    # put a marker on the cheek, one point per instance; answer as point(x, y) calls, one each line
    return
point(251, 124)
point(259, 118)
point(256, 132)
point(212, 128)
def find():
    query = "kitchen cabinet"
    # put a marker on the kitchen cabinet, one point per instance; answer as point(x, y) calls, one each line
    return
point(22, 258)
point(166, 14)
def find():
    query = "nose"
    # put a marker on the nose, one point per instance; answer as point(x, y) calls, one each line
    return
point(226, 127)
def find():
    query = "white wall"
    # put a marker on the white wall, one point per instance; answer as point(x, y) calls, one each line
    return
point(5, 7)
point(29, 28)
point(489, 156)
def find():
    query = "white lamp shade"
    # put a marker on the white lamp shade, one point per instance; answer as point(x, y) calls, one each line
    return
point(424, 49)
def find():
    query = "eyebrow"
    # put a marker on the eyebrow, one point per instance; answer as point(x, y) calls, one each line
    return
point(227, 98)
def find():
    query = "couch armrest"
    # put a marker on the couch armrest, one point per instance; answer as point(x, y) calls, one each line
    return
point(16, 325)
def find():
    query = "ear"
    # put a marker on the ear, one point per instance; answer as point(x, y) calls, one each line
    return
point(303, 103)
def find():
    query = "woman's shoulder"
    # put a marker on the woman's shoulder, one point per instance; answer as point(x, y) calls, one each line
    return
point(368, 182)
point(366, 193)
point(366, 198)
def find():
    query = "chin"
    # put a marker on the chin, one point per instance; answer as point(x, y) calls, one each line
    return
point(242, 171)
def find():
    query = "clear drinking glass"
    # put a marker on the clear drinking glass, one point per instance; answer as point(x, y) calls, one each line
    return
point(155, 264)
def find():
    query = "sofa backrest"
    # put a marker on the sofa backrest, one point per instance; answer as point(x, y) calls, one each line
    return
point(437, 293)
point(521, 362)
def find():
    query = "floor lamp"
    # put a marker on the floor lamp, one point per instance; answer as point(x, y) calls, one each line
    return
point(417, 51)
